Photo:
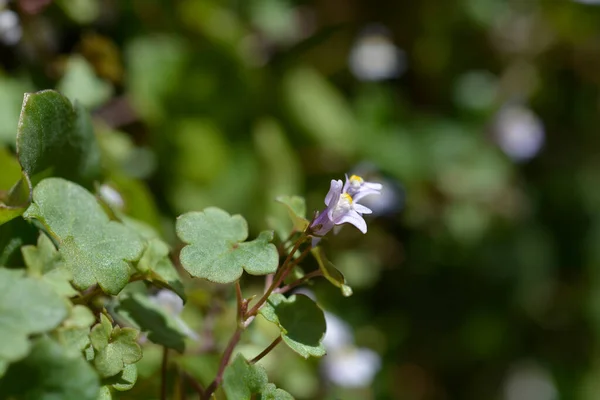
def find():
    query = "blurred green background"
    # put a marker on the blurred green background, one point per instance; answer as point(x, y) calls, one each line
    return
point(479, 277)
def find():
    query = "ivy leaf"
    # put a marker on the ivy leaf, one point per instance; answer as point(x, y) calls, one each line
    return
point(241, 379)
point(28, 307)
point(330, 272)
point(55, 134)
point(124, 380)
point(151, 318)
point(95, 249)
point(301, 321)
point(215, 250)
point(74, 333)
point(50, 372)
point(157, 266)
point(296, 207)
point(45, 262)
point(113, 348)
point(271, 392)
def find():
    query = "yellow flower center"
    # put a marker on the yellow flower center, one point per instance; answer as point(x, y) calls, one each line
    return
point(347, 197)
point(357, 179)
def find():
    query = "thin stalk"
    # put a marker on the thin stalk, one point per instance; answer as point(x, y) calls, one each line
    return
point(278, 278)
point(299, 282)
point(196, 385)
point(242, 305)
point(266, 351)
point(224, 361)
point(163, 374)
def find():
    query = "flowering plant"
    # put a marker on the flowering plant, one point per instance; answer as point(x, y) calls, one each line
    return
point(98, 285)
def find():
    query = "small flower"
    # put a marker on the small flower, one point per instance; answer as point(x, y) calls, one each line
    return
point(343, 207)
point(358, 188)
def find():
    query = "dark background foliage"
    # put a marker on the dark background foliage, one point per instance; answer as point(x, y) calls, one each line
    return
point(478, 278)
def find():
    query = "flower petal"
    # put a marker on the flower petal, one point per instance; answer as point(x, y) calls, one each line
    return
point(354, 218)
point(364, 192)
point(346, 184)
point(335, 191)
point(359, 208)
point(373, 185)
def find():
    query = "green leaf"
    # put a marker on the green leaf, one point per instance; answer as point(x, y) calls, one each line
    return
point(241, 379)
point(15, 202)
point(74, 333)
point(301, 321)
point(95, 249)
point(215, 250)
point(45, 262)
point(156, 264)
point(151, 318)
point(28, 307)
point(81, 83)
point(48, 373)
point(271, 392)
point(104, 393)
point(330, 272)
point(296, 208)
point(55, 134)
point(124, 380)
point(114, 348)
point(9, 165)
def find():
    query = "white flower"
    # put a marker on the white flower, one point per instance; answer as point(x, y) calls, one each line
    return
point(338, 334)
point(10, 28)
point(351, 367)
point(345, 364)
point(519, 132)
point(374, 57)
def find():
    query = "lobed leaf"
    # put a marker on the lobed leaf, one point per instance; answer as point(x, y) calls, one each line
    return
point(242, 380)
point(45, 262)
point(156, 265)
point(114, 348)
point(216, 249)
point(95, 249)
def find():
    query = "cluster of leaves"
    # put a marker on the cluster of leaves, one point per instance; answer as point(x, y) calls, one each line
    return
point(69, 325)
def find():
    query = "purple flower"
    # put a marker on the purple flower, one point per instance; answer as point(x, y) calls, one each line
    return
point(343, 207)
point(358, 188)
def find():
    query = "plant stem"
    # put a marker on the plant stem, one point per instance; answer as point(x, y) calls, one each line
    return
point(163, 374)
point(300, 281)
point(242, 305)
point(267, 350)
point(196, 385)
point(224, 361)
point(279, 277)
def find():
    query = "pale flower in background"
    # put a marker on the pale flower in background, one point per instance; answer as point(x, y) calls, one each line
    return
point(345, 364)
point(338, 334)
point(173, 305)
point(10, 27)
point(519, 132)
point(529, 381)
point(374, 57)
point(111, 196)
